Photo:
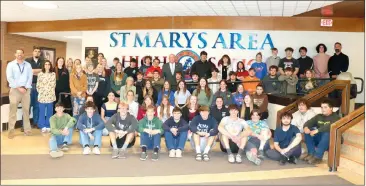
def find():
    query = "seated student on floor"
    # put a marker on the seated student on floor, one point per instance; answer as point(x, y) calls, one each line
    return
point(61, 131)
point(234, 133)
point(260, 134)
point(204, 131)
point(121, 127)
point(175, 132)
point(150, 128)
point(287, 142)
point(317, 132)
point(90, 126)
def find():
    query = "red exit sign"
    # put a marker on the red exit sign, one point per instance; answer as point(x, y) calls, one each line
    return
point(326, 22)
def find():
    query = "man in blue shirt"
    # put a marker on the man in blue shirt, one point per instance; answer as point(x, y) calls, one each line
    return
point(19, 75)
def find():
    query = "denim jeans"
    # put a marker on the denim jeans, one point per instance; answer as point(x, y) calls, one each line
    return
point(34, 105)
point(77, 103)
point(150, 141)
point(319, 140)
point(45, 113)
point(85, 140)
point(175, 142)
point(273, 154)
point(57, 140)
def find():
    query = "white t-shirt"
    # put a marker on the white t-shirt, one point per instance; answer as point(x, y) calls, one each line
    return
point(181, 97)
point(234, 127)
point(133, 108)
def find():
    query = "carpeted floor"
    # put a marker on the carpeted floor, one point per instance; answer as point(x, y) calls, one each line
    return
point(313, 180)
point(81, 166)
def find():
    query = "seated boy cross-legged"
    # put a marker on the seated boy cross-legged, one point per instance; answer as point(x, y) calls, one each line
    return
point(150, 128)
point(287, 139)
point(61, 131)
point(233, 138)
point(204, 131)
point(121, 127)
point(176, 130)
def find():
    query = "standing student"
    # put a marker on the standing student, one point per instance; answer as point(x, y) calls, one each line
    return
point(78, 86)
point(223, 93)
point(115, 61)
point(291, 81)
point(150, 128)
point(260, 99)
point(321, 62)
point(118, 79)
point(170, 70)
point(305, 62)
point(165, 110)
point(259, 66)
point(202, 67)
point(178, 78)
point(37, 64)
point(121, 127)
point(234, 133)
point(62, 82)
point(287, 139)
point(155, 67)
point(103, 89)
point(166, 91)
point(62, 125)
point(93, 80)
point(146, 64)
point(140, 84)
point(240, 71)
point(46, 83)
point(194, 82)
point(339, 62)
point(203, 93)
point(90, 126)
point(133, 106)
point(107, 70)
point(125, 88)
point(219, 110)
point(238, 96)
point(250, 82)
point(273, 60)
point(214, 86)
point(233, 82)
point(175, 132)
point(70, 65)
point(269, 82)
point(204, 132)
point(19, 75)
point(181, 95)
point(132, 70)
point(224, 66)
point(289, 61)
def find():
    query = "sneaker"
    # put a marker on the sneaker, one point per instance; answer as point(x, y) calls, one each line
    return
point(43, 130)
point(122, 154)
point(172, 153)
point(292, 160)
point(155, 156)
point(304, 156)
point(28, 133)
point(86, 150)
point(114, 153)
point(48, 129)
point(309, 157)
point(260, 154)
point(206, 157)
point(283, 160)
point(238, 158)
point(56, 154)
point(65, 147)
point(199, 157)
point(315, 161)
point(231, 158)
point(11, 134)
point(143, 156)
point(178, 153)
point(253, 158)
point(96, 150)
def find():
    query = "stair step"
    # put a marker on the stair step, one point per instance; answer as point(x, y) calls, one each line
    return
point(359, 127)
point(353, 152)
point(354, 136)
point(349, 164)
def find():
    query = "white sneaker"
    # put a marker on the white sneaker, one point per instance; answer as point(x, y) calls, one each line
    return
point(44, 129)
point(56, 154)
point(178, 153)
point(172, 153)
point(86, 150)
point(48, 129)
point(96, 150)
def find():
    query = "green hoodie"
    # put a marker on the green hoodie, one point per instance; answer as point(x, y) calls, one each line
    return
point(59, 123)
point(154, 124)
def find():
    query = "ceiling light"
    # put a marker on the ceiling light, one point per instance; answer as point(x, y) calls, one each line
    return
point(73, 37)
point(40, 4)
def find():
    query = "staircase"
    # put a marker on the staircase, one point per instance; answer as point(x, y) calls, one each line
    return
point(353, 150)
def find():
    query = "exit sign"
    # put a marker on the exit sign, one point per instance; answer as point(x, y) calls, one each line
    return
point(326, 22)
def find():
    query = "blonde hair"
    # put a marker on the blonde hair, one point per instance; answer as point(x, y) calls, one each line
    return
point(189, 102)
point(243, 107)
point(162, 106)
point(97, 71)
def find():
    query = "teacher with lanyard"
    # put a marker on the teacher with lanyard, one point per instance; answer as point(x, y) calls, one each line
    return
point(19, 75)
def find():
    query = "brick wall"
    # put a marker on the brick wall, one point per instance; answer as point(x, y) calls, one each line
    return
point(11, 42)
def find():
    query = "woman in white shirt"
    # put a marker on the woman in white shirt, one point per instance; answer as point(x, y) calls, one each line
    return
point(215, 78)
point(165, 110)
point(133, 106)
point(181, 95)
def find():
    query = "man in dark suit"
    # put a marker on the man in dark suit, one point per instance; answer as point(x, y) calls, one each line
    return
point(37, 63)
point(169, 70)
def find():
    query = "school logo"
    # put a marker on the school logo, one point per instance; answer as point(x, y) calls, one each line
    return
point(187, 58)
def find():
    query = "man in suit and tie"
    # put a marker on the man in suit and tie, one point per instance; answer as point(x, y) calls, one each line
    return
point(169, 70)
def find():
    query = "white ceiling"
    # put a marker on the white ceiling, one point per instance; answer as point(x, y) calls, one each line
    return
point(12, 11)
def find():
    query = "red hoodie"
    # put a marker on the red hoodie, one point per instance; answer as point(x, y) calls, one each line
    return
point(152, 69)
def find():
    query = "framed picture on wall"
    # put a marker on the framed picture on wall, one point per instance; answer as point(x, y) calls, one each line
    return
point(92, 53)
point(48, 54)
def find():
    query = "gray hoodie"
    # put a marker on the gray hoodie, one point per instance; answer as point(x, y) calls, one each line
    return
point(291, 83)
point(128, 124)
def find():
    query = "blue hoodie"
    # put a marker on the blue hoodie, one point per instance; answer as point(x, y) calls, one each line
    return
point(238, 98)
point(260, 69)
point(171, 97)
point(200, 125)
point(84, 122)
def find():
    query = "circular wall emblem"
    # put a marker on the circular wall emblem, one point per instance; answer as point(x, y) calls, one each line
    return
point(187, 58)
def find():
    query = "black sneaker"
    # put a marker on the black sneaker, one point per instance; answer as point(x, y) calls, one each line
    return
point(155, 156)
point(143, 156)
point(260, 154)
point(292, 160)
point(283, 160)
point(65, 147)
point(199, 157)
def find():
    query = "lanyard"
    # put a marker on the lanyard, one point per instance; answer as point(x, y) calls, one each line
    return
point(21, 70)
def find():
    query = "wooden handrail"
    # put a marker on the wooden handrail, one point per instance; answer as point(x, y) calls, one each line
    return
point(336, 131)
point(343, 85)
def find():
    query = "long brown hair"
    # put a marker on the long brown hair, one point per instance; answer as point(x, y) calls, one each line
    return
point(243, 107)
point(189, 102)
point(144, 107)
point(221, 61)
point(207, 89)
point(64, 70)
point(44, 64)
point(150, 91)
point(162, 107)
point(118, 74)
point(184, 89)
point(163, 89)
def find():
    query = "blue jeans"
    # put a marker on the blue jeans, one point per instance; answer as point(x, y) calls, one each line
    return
point(85, 140)
point(150, 141)
point(175, 142)
point(57, 140)
point(45, 113)
point(77, 103)
point(34, 105)
point(319, 140)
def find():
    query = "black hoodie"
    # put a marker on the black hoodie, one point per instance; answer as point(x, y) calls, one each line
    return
point(182, 125)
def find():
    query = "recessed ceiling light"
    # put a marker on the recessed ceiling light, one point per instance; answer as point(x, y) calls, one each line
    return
point(40, 4)
point(73, 37)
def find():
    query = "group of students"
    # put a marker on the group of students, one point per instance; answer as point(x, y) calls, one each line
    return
point(106, 101)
